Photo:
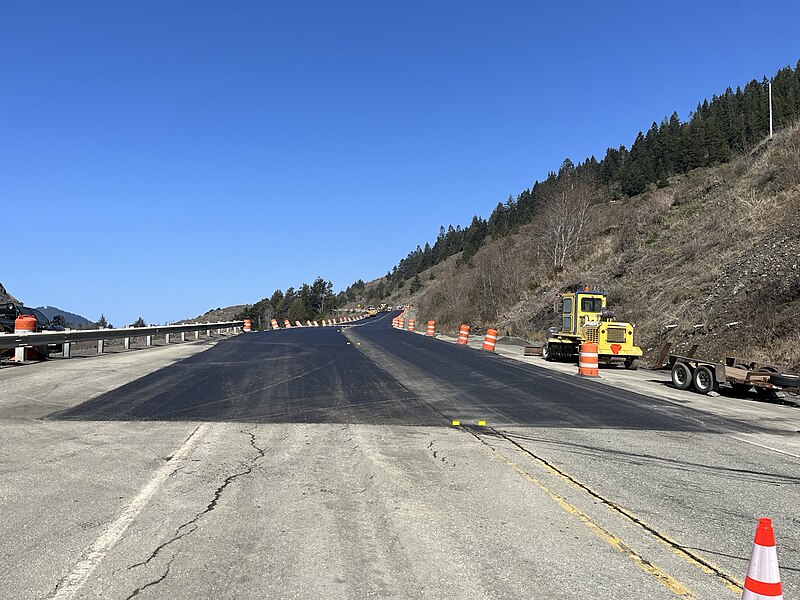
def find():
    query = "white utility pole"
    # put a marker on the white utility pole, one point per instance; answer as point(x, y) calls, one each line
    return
point(770, 109)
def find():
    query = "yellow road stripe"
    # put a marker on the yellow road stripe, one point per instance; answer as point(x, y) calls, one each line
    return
point(732, 583)
point(664, 578)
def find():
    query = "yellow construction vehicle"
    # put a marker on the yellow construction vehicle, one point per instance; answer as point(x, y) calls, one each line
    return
point(585, 318)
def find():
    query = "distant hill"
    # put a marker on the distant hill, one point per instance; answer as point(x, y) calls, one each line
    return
point(71, 318)
point(217, 315)
point(5, 296)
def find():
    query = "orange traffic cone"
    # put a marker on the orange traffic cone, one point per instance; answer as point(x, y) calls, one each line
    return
point(763, 579)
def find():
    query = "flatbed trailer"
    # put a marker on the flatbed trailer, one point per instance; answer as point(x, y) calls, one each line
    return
point(704, 376)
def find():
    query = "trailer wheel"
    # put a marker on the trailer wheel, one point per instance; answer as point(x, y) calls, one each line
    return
point(785, 379)
point(546, 352)
point(703, 380)
point(681, 376)
point(632, 363)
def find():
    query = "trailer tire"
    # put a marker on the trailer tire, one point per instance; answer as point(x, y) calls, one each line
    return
point(785, 379)
point(681, 376)
point(704, 381)
point(547, 353)
point(632, 363)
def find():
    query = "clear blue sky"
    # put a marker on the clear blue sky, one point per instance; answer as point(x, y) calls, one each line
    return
point(161, 158)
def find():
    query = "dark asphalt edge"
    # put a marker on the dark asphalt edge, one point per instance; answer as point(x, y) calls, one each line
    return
point(724, 424)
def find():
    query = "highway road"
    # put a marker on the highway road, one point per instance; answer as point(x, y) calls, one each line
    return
point(322, 463)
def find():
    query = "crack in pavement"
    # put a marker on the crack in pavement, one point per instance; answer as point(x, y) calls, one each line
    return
point(164, 575)
point(192, 525)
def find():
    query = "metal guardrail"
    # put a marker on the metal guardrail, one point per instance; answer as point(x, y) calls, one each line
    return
point(44, 338)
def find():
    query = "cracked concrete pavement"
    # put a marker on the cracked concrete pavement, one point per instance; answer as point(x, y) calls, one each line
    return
point(370, 503)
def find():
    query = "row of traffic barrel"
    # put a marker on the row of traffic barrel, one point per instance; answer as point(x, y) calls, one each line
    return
point(489, 339)
point(248, 324)
point(588, 356)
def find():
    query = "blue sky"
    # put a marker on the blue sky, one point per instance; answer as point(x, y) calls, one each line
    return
point(161, 158)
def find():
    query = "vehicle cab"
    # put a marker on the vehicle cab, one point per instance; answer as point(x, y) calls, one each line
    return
point(580, 309)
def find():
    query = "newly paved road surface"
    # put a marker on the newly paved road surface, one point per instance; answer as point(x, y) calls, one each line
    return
point(316, 463)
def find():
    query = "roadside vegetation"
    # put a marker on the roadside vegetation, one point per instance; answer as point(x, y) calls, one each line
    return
point(308, 302)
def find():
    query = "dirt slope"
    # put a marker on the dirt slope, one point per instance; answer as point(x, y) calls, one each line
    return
point(716, 252)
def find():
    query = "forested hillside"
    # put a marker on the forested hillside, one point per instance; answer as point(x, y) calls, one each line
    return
point(693, 231)
point(726, 126)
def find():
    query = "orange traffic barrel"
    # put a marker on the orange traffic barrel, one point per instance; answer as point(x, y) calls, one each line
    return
point(431, 328)
point(248, 327)
point(463, 334)
point(411, 323)
point(287, 324)
point(490, 340)
point(298, 324)
point(25, 324)
point(587, 360)
point(274, 324)
point(402, 323)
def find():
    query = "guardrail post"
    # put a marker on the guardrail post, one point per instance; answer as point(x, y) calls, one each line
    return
point(183, 336)
point(127, 343)
point(19, 354)
point(149, 340)
point(66, 347)
point(166, 337)
point(208, 333)
point(100, 346)
point(197, 335)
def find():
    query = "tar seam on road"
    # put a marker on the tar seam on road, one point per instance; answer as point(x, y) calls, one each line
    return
point(693, 559)
point(609, 538)
point(69, 585)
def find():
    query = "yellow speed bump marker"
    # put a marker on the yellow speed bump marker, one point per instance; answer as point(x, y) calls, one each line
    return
point(456, 423)
point(481, 423)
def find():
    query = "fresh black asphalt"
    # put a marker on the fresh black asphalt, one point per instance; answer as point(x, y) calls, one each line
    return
point(373, 374)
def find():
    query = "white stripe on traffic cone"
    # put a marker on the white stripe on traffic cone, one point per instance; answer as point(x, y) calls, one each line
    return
point(763, 578)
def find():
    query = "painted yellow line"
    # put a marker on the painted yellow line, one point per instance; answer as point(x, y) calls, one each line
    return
point(732, 583)
point(662, 577)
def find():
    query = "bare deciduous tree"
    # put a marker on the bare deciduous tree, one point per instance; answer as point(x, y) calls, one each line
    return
point(499, 278)
point(566, 216)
